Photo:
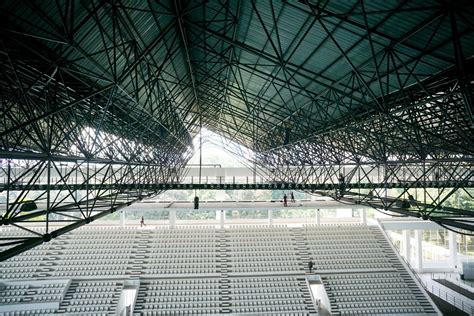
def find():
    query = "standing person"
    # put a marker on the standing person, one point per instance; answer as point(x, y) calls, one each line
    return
point(142, 222)
point(342, 185)
point(292, 197)
point(285, 200)
point(310, 266)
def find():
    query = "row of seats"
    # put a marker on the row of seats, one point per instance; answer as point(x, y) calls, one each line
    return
point(92, 295)
point(263, 282)
point(352, 256)
point(261, 244)
point(350, 287)
point(249, 263)
point(182, 306)
point(346, 277)
point(386, 297)
point(352, 261)
point(188, 281)
point(201, 260)
point(183, 287)
point(181, 270)
point(184, 299)
point(266, 280)
point(378, 304)
point(367, 292)
point(88, 301)
point(344, 243)
point(257, 235)
point(14, 276)
point(274, 251)
point(270, 309)
point(47, 311)
point(266, 293)
point(203, 311)
point(383, 311)
point(91, 308)
point(31, 293)
point(101, 261)
point(369, 281)
point(104, 252)
point(189, 249)
point(98, 246)
point(179, 235)
point(85, 273)
point(82, 266)
point(25, 264)
point(16, 286)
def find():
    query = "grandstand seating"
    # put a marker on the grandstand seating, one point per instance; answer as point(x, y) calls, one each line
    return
point(91, 297)
point(31, 297)
point(242, 270)
point(361, 272)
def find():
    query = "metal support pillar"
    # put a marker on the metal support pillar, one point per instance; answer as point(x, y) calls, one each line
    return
point(419, 250)
point(363, 216)
point(172, 218)
point(318, 217)
point(453, 250)
point(122, 218)
point(221, 216)
point(270, 217)
point(406, 243)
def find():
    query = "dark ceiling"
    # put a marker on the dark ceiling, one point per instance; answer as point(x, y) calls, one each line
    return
point(365, 76)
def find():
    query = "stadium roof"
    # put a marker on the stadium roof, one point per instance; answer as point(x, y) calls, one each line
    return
point(371, 102)
point(374, 78)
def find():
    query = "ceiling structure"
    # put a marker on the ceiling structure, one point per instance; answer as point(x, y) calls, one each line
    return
point(316, 89)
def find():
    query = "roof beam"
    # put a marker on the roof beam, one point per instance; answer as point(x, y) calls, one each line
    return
point(179, 18)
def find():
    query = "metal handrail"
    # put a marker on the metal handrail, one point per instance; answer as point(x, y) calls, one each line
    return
point(313, 298)
point(461, 304)
point(442, 294)
point(444, 277)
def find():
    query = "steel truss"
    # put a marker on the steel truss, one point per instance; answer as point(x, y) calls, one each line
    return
point(77, 194)
point(423, 186)
point(74, 127)
point(100, 101)
point(388, 121)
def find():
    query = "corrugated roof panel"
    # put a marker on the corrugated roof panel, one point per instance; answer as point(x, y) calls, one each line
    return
point(314, 66)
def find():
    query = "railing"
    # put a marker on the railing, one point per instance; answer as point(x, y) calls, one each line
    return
point(313, 298)
point(462, 304)
point(444, 276)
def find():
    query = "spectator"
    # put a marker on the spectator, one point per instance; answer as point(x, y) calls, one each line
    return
point(142, 222)
point(341, 178)
point(342, 185)
point(370, 195)
point(292, 197)
point(285, 200)
point(310, 266)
